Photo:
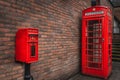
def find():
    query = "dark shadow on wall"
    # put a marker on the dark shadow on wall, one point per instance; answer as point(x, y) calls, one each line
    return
point(80, 45)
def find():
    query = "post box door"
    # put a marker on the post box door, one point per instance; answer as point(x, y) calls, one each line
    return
point(94, 43)
point(32, 47)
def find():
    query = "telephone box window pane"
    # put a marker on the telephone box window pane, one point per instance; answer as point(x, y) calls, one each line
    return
point(94, 43)
point(32, 50)
point(116, 29)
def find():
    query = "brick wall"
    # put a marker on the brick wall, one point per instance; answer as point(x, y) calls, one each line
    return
point(117, 13)
point(105, 3)
point(58, 22)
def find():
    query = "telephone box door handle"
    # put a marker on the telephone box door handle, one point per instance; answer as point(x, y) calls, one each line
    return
point(103, 39)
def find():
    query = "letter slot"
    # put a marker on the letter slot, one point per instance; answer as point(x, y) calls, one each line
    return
point(33, 50)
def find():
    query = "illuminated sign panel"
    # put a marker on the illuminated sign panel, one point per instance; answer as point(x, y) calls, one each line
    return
point(94, 13)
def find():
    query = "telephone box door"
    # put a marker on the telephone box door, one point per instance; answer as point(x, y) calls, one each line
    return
point(93, 46)
point(94, 43)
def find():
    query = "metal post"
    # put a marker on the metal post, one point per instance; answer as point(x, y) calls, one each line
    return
point(27, 72)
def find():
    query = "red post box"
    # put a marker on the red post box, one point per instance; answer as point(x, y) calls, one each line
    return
point(27, 45)
point(97, 41)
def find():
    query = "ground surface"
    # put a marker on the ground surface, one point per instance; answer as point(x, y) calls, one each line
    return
point(114, 76)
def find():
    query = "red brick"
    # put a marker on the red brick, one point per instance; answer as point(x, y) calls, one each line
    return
point(57, 21)
point(2, 2)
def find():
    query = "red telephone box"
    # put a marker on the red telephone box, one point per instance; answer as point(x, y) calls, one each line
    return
point(97, 41)
point(27, 45)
